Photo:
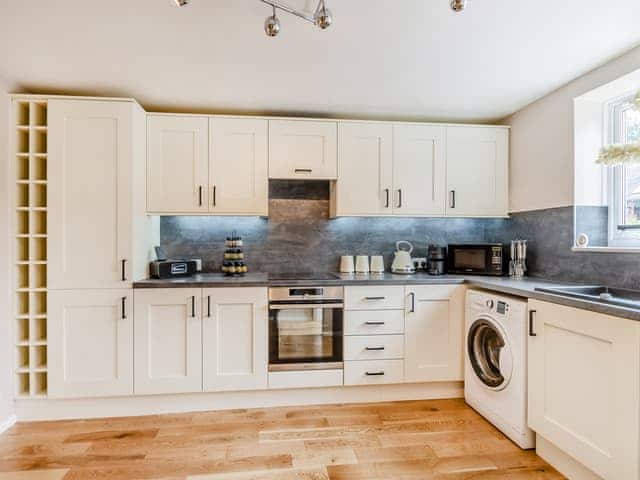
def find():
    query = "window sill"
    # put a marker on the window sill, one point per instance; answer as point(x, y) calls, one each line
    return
point(606, 249)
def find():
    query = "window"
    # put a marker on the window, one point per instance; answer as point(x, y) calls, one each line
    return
point(624, 180)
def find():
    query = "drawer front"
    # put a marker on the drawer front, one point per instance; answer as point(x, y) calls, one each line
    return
point(374, 298)
point(373, 372)
point(374, 347)
point(374, 322)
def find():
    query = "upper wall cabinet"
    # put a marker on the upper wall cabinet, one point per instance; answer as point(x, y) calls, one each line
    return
point(365, 169)
point(90, 194)
point(303, 149)
point(177, 164)
point(238, 166)
point(477, 171)
point(418, 169)
point(390, 169)
point(201, 165)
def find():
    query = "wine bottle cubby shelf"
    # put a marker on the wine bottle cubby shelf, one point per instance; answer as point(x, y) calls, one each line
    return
point(30, 245)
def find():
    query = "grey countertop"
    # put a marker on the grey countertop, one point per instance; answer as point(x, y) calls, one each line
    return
point(525, 287)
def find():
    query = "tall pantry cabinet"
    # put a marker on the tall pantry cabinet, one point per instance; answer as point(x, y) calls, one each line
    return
point(98, 242)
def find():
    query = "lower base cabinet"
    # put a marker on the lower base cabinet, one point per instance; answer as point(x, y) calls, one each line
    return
point(434, 333)
point(584, 387)
point(234, 339)
point(168, 341)
point(90, 343)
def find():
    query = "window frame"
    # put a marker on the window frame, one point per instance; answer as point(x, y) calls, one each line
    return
point(619, 235)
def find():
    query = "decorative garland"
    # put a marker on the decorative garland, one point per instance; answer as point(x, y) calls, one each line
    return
point(621, 154)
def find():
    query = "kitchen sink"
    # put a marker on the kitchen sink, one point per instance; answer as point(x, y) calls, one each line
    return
point(600, 294)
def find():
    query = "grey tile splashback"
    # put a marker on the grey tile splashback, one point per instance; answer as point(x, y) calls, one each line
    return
point(299, 236)
point(550, 235)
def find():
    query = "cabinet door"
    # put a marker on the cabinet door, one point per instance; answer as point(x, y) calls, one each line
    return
point(434, 333)
point(584, 379)
point(235, 338)
point(303, 149)
point(419, 170)
point(168, 341)
point(177, 164)
point(89, 194)
point(365, 161)
point(477, 171)
point(90, 343)
point(238, 166)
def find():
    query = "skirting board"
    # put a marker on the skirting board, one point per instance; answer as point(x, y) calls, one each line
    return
point(7, 424)
point(60, 409)
point(562, 462)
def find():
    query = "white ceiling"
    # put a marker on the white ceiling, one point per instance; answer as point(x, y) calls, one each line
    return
point(402, 59)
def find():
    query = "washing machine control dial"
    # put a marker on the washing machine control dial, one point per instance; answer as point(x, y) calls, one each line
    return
point(489, 303)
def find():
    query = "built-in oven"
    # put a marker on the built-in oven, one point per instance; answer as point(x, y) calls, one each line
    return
point(305, 328)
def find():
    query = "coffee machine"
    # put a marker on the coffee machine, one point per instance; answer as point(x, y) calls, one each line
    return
point(436, 260)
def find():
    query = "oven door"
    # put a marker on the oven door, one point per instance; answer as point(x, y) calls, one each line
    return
point(305, 336)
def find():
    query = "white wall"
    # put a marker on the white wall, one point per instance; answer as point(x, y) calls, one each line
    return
point(6, 335)
point(542, 153)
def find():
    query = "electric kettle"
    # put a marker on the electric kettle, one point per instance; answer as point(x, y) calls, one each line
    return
point(402, 262)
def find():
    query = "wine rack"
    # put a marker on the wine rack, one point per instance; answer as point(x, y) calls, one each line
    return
point(29, 123)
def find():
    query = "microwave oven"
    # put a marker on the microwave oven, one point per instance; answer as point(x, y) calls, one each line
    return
point(477, 259)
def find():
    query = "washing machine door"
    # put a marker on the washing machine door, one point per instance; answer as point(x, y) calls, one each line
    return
point(489, 353)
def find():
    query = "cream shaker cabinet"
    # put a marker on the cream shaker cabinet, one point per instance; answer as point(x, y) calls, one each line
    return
point(303, 149)
point(207, 165)
point(90, 343)
point(238, 166)
point(419, 170)
point(434, 333)
point(90, 194)
point(365, 169)
point(390, 169)
point(234, 339)
point(168, 341)
point(177, 164)
point(477, 171)
point(584, 384)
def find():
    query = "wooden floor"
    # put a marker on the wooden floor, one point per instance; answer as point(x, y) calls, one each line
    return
point(440, 439)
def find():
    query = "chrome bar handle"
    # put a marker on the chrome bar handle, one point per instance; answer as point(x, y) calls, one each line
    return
point(200, 195)
point(413, 302)
point(387, 192)
point(452, 199)
point(374, 349)
point(193, 306)
point(374, 323)
point(374, 298)
point(399, 198)
point(374, 374)
point(303, 170)
point(124, 308)
point(214, 194)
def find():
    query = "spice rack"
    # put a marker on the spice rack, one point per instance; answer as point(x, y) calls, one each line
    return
point(29, 150)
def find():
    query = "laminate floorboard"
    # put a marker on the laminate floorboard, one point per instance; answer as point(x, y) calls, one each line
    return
point(415, 440)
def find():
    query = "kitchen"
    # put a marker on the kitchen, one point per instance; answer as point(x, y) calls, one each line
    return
point(212, 275)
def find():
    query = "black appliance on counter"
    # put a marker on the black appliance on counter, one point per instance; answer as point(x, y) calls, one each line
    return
point(477, 259)
point(166, 268)
point(436, 260)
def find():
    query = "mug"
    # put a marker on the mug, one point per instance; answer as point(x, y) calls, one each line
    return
point(362, 264)
point(377, 264)
point(346, 264)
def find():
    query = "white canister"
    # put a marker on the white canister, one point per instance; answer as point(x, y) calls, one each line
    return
point(362, 264)
point(377, 264)
point(346, 264)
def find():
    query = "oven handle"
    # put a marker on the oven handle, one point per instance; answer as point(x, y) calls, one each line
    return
point(310, 306)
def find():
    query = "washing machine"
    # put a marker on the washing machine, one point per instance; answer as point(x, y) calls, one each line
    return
point(495, 374)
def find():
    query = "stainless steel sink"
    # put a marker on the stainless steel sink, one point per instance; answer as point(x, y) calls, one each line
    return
point(600, 294)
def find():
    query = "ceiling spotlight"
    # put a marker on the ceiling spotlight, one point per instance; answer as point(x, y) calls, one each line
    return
point(322, 17)
point(272, 24)
point(181, 3)
point(458, 5)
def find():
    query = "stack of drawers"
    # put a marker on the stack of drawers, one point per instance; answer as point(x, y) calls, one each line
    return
point(374, 335)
